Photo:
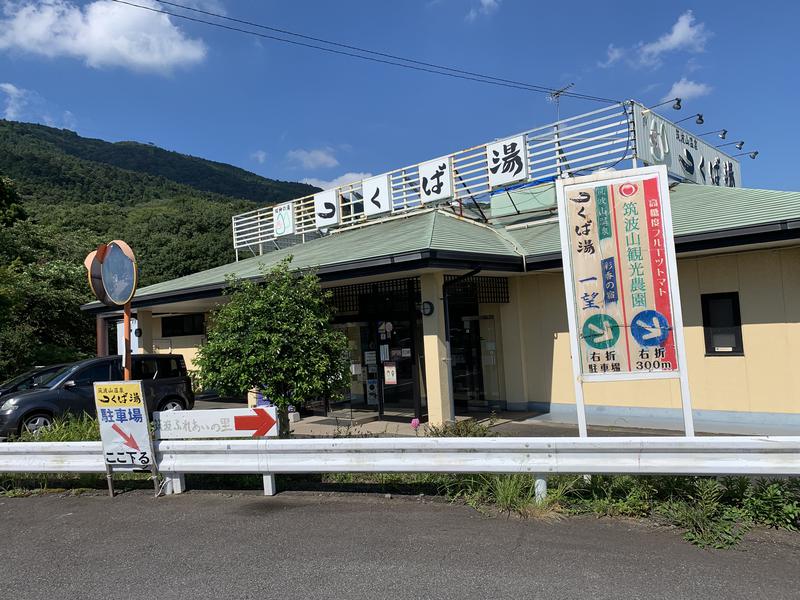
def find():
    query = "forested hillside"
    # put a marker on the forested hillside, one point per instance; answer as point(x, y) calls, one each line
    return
point(174, 210)
point(61, 195)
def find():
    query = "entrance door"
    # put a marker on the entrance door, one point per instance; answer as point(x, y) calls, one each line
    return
point(361, 396)
point(465, 355)
point(400, 397)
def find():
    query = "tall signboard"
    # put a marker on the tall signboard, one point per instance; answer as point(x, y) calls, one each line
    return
point(621, 280)
point(661, 142)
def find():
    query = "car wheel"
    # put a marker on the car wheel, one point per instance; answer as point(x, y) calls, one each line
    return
point(36, 422)
point(171, 404)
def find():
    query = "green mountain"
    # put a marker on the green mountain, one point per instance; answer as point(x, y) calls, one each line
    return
point(175, 210)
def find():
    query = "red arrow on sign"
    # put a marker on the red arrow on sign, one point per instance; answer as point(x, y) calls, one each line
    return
point(129, 441)
point(260, 423)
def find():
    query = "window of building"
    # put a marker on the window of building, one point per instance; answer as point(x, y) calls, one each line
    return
point(722, 323)
point(193, 324)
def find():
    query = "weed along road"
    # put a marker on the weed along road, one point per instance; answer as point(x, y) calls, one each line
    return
point(204, 545)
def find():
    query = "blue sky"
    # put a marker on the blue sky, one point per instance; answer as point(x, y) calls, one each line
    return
point(120, 73)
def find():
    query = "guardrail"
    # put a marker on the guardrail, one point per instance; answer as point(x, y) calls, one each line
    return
point(722, 455)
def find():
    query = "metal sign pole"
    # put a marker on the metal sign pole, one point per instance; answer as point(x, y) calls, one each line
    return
point(572, 318)
point(126, 326)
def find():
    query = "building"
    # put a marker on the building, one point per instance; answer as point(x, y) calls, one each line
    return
point(456, 304)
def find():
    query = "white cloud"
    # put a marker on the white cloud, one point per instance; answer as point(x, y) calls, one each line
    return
point(16, 101)
point(614, 54)
point(101, 33)
point(27, 105)
point(318, 158)
point(259, 156)
point(484, 8)
point(686, 89)
point(341, 180)
point(685, 35)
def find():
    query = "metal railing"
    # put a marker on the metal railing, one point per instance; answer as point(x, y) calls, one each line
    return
point(722, 455)
point(593, 140)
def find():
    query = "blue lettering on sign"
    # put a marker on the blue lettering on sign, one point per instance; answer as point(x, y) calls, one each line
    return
point(609, 269)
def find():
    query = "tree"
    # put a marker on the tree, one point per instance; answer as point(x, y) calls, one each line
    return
point(275, 336)
point(10, 207)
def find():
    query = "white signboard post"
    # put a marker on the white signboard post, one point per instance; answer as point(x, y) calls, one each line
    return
point(326, 209)
point(261, 421)
point(507, 161)
point(124, 428)
point(377, 195)
point(435, 180)
point(621, 281)
point(283, 219)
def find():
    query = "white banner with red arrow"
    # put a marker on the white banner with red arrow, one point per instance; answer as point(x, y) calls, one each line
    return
point(260, 421)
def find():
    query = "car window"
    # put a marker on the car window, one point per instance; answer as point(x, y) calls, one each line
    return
point(56, 377)
point(87, 376)
point(145, 368)
point(168, 367)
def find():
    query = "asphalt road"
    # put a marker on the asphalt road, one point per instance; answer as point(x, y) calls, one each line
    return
point(305, 545)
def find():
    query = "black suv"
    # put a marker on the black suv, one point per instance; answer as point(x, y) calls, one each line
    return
point(165, 383)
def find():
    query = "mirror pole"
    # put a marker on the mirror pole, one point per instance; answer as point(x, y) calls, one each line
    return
point(126, 327)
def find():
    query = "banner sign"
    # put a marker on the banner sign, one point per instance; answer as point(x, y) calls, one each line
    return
point(261, 421)
point(283, 219)
point(687, 156)
point(620, 262)
point(124, 425)
point(507, 161)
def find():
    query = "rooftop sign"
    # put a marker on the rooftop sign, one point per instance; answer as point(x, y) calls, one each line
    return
point(602, 138)
point(686, 156)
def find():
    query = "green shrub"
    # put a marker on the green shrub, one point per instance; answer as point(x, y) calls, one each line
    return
point(464, 428)
point(774, 503)
point(707, 521)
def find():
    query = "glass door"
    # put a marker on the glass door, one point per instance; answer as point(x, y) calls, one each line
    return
point(400, 390)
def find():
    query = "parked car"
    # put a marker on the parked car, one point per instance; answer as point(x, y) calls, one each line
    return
point(70, 390)
point(29, 380)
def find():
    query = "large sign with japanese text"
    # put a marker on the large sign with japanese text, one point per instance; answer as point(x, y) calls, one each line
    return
point(507, 161)
point(124, 425)
point(435, 180)
point(687, 156)
point(619, 266)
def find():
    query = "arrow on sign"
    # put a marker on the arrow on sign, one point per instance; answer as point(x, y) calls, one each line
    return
point(128, 439)
point(653, 332)
point(260, 423)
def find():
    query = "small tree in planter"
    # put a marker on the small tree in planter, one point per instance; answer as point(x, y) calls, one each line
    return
point(275, 336)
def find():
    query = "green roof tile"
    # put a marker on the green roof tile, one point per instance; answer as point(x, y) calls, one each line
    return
point(695, 208)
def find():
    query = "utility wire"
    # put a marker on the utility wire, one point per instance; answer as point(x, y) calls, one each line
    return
point(389, 59)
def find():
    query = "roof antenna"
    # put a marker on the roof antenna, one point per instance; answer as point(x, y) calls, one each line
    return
point(555, 97)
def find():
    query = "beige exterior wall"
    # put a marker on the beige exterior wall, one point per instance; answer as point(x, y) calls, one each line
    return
point(152, 341)
point(536, 349)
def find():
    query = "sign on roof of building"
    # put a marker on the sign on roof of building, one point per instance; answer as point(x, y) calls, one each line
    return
point(686, 155)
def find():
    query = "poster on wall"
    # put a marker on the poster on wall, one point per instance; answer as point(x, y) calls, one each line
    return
point(621, 278)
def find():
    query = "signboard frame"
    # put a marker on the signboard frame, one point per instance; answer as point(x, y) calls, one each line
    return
point(611, 178)
point(140, 435)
